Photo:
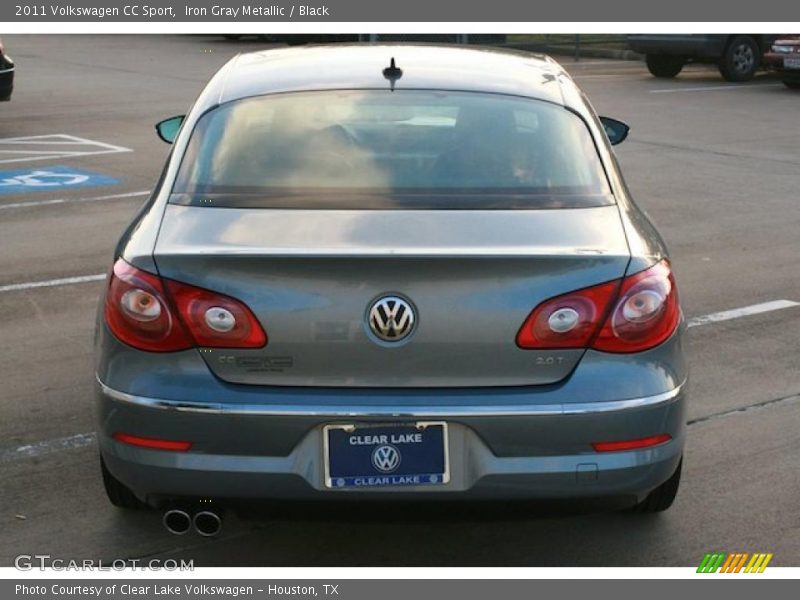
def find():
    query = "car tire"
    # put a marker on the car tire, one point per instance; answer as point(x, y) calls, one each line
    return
point(119, 494)
point(792, 84)
point(661, 498)
point(741, 59)
point(664, 66)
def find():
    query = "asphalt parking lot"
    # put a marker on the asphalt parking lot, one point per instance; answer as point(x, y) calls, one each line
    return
point(714, 164)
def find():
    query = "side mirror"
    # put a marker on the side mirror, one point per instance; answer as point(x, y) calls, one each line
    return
point(168, 129)
point(616, 130)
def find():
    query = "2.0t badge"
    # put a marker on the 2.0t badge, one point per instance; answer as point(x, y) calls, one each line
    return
point(391, 318)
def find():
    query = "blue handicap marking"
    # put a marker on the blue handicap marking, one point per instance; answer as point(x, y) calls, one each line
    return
point(48, 179)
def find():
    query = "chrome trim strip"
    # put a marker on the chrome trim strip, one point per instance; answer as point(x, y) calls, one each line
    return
point(578, 408)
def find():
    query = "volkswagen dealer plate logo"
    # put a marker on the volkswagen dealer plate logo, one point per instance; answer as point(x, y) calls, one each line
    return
point(391, 318)
point(386, 458)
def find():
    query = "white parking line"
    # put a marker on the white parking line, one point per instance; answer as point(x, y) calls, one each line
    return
point(745, 311)
point(714, 88)
point(57, 145)
point(47, 446)
point(35, 203)
point(29, 285)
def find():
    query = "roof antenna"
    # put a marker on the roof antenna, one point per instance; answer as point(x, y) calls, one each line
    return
point(392, 73)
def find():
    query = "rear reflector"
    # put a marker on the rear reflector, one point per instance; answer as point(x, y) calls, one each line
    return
point(647, 442)
point(154, 443)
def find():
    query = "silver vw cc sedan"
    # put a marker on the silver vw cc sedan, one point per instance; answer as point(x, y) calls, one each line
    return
point(390, 271)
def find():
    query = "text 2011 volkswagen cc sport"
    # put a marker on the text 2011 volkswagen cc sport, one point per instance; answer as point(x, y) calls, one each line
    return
point(390, 271)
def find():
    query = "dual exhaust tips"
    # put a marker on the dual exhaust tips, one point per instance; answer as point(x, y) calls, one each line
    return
point(207, 523)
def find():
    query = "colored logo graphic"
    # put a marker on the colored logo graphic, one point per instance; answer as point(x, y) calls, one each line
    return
point(50, 179)
point(734, 563)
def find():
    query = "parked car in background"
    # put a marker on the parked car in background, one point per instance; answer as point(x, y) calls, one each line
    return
point(737, 56)
point(298, 39)
point(784, 58)
point(294, 39)
point(6, 75)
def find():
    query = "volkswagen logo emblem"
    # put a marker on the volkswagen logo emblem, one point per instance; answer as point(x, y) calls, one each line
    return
point(391, 319)
point(386, 458)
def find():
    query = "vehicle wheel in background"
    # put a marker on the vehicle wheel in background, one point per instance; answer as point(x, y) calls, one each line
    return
point(741, 59)
point(661, 65)
point(661, 498)
point(117, 492)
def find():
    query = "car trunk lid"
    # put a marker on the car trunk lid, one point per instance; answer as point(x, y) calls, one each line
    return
point(471, 277)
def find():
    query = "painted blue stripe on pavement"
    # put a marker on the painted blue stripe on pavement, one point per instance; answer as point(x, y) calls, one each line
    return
point(50, 179)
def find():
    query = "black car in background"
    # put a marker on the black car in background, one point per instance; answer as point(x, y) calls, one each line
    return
point(6, 74)
point(737, 56)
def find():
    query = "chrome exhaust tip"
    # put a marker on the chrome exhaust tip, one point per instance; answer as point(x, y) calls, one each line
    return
point(177, 521)
point(207, 523)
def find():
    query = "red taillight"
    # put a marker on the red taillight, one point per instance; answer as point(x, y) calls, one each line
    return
point(568, 321)
point(628, 315)
point(167, 316)
point(646, 313)
point(138, 313)
point(154, 443)
point(214, 320)
point(647, 442)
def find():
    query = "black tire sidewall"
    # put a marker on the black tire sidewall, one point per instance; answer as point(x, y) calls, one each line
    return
point(663, 65)
point(118, 494)
point(661, 498)
point(727, 66)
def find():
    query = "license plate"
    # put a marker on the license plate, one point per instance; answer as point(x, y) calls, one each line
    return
point(385, 455)
point(791, 63)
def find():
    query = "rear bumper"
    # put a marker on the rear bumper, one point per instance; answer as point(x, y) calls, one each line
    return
point(775, 62)
point(504, 452)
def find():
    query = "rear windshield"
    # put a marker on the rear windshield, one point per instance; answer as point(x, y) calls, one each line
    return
point(384, 149)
